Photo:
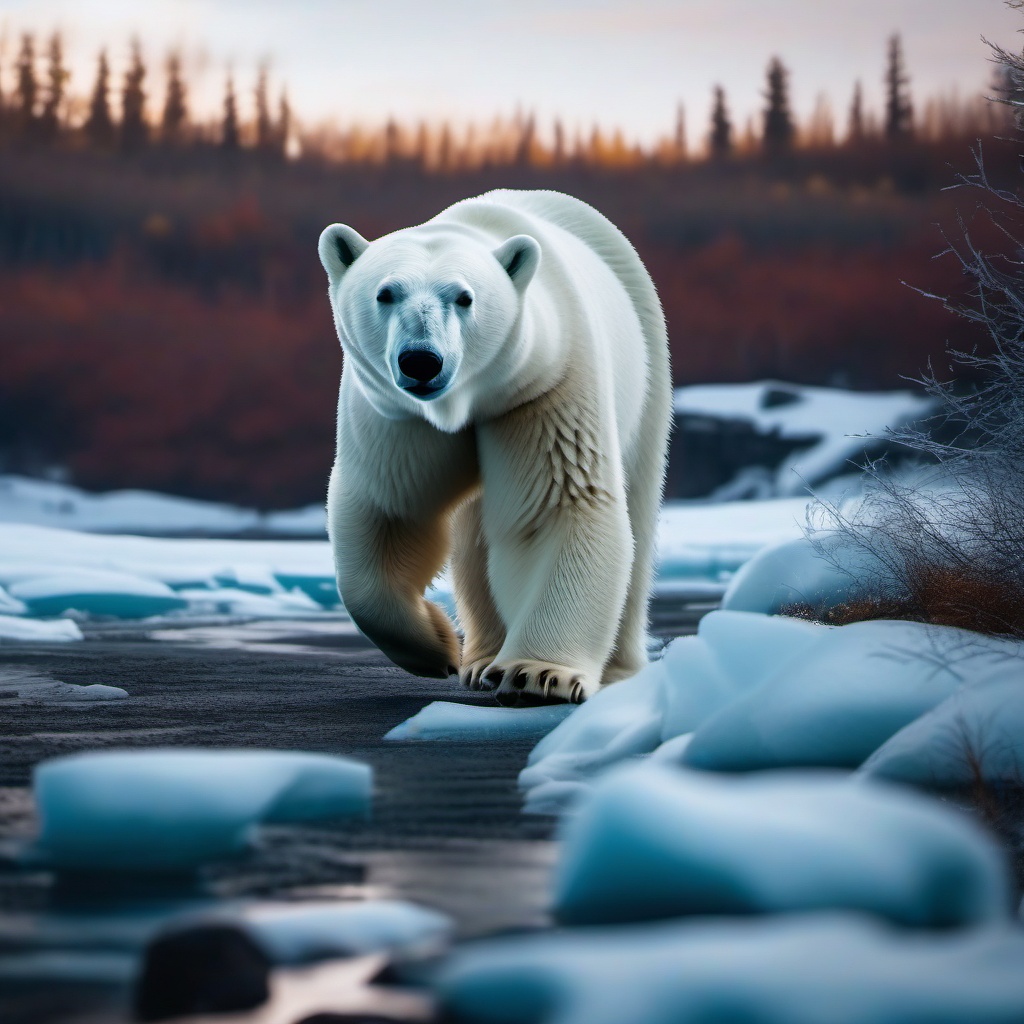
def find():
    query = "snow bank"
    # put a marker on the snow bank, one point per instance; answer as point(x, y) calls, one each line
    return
point(836, 425)
point(96, 592)
point(175, 809)
point(32, 631)
point(654, 841)
point(758, 691)
point(446, 720)
point(844, 697)
point(977, 735)
point(796, 572)
point(842, 969)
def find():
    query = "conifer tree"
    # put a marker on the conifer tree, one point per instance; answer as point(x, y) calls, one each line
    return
point(679, 140)
point(134, 130)
point(720, 139)
point(229, 140)
point(855, 131)
point(558, 151)
point(899, 111)
point(175, 113)
point(99, 126)
point(26, 93)
point(778, 121)
point(56, 80)
point(265, 142)
point(284, 123)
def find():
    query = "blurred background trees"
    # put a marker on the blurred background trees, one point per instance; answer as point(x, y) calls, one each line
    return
point(162, 309)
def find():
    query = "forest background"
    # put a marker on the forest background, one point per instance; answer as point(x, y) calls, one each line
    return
point(163, 319)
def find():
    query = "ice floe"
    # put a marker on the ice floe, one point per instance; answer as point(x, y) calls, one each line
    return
point(653, 841)
point(446, 720)
point(176, 809)
point(798, 969)
point(50, 631)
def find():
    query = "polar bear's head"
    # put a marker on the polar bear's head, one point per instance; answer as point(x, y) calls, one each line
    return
point(425, 313)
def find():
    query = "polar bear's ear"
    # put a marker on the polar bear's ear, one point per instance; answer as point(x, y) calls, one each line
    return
point(340, 246)
point(520, 256)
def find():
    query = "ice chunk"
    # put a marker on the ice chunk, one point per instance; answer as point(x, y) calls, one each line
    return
point(10, 606)
point(36, 688)
point(320, 587)
point(653, 841)
point(297, 933)
point(96, 592)
point(32, 631)
point(175, 809)
point(245, 603)
point(619, 721)
point(977, 735)
point(796, 572)
point(841, 698)
point(805, 969)
point(447, 720)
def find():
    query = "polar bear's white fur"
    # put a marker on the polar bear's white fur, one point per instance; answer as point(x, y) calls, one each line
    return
point(504, 403)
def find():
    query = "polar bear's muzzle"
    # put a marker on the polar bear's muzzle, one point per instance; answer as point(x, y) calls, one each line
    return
point(419, 371)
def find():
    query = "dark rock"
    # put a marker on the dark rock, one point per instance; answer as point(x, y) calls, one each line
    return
point(208, 968)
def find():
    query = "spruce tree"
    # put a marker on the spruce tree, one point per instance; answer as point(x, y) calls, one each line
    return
point(229, 140)
point(778, 121)
point(720, 139)
point(899, 111)
point(99, 126)
point(134, 130)
point(56, 79)
point(284, 124)
point(27, 89)
point(175, 113)
point(265, 142)
point(855, 123)
point(679, 140)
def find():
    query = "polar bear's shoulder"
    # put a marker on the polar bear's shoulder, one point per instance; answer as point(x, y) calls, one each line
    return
point(600, 235)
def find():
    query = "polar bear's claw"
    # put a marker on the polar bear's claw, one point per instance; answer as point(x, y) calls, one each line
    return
point(527, 683)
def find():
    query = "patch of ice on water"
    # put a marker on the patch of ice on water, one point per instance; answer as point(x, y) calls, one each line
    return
point(843, 696)
point(976, 735)
point(30, 686)
point(447, 720)
point(96, 592)
point(230, 601)
point(653, 841)
point(50, 631)
point(800, 969)
point(176, 809)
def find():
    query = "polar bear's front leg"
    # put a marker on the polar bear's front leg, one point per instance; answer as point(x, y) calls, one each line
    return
point(478, 615)
point(383, 567)
point(560, 549)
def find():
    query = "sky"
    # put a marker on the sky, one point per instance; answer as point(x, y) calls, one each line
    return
point(621, 63)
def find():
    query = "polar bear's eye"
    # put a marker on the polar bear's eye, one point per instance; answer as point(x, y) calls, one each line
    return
point(464, 299)
point(385, 295)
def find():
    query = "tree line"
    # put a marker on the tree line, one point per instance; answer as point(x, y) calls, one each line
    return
point(39, 110)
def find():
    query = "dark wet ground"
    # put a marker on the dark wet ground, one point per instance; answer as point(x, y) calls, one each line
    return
point(446, 829)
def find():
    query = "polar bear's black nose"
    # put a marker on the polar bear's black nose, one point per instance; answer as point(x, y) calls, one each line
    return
point(420, 364)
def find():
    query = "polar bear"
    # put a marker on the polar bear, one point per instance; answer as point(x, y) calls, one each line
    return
point(505, 404)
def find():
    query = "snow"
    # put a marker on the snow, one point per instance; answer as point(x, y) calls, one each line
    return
point(801, 969)
point(833, 422)
point(47, 503)
point(796, 572)
point(622, 721)
point(447, 720)
point(176, 809)
point(653, 841)
point(842, 697)
point(96, 592)
point(976, 735)
point(55, 631)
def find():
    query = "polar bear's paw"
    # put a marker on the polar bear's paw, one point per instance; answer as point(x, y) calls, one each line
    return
point(525, 683)
point(471, 674)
